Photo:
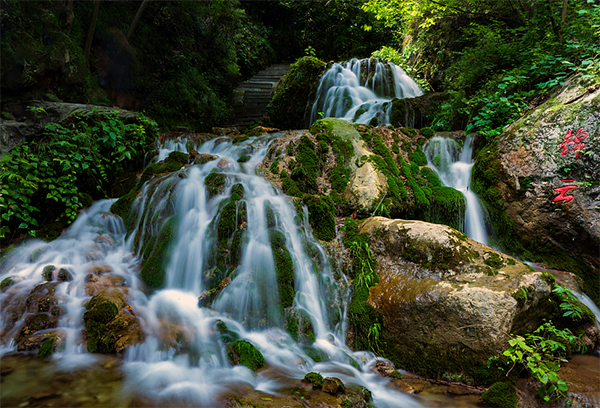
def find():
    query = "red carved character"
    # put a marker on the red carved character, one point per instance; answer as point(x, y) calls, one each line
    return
point(577, 140)
point(563, 191)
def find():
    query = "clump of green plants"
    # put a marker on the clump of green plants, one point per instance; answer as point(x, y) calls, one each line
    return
point(53, 172)
point(541, 352)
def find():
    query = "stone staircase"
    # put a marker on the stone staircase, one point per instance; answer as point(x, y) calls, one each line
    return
point(252, 97)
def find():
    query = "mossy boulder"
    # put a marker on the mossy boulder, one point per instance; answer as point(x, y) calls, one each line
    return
point(244, 353)
point(415, 112)
point(522, 175)
point(156, 254)
point(501, 394)
point(445, 311)
point(110, 326)
point(315, 379)
point(288, 108)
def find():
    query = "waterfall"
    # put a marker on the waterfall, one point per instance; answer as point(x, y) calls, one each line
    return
point(454, 170)
point(360, 90)
point(182, 357)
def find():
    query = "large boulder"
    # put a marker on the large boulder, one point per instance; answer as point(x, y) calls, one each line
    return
point(449, 303)
point(539, 182)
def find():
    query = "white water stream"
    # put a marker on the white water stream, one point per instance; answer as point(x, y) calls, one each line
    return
point(453, 167)
point(200, 373)
point(360, 90)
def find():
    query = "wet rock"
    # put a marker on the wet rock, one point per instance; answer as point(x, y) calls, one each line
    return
point(549, 155)
point(64, 275)
point(204, 158)
point(366, 187)
point(206, 298)
point(39, 302)
point(47, 272)
point(443, 307)
point(314, 379)
point(333, 385)
point(34, 323)
point(6, 283)
point(383, 367)
point(222, 140)
point(100, 311)
point(105, 240)
point(225, 164)
point(244, 353)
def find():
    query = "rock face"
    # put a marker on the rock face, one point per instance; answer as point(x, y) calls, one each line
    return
point(448, 302)
point(543, 173)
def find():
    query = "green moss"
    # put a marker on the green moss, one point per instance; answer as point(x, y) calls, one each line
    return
point(447, 207)
point(153, 269)
point(418, 157)
point(47, 272)
point(6, 283)
point(305, 175)
point(180, 158)
point(122, 206)
point(520, 295)
point(275, 166)
point(501, 394)
point(225, 335)
point(299, 326)
point(290, 187)
point(244, 159)
point(407, 146)
point(48, 347)
point(215, 183)
point(427, 132)
point(321, 216)
point(396, 374)
point(284, 268)
point(286, 109)
point(316, 379)
point(493, 259)
point(398, 112)
point(99, 311)
point(408, 131)
point(244, 353)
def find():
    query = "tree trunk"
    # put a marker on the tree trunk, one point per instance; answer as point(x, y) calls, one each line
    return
point(90, 34)
point(136, 19)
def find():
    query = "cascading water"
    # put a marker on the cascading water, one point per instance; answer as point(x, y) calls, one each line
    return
point(181, 357)
point(360, 90)
point(454, 170)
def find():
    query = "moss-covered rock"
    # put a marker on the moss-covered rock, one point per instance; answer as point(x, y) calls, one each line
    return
point(501, 394)
point(157, 255)
point(321, 216)
point(287, 109)
point(445, 311)
point(447, 207)
point(520, 175)
point(284, 268)
point(245, 353)
point(315, 379)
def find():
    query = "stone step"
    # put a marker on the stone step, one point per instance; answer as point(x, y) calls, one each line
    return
point(252, 97)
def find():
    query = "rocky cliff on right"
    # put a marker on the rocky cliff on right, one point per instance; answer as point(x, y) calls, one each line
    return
point(540, 184)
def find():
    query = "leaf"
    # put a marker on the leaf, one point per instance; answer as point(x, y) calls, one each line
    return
point(562, 385)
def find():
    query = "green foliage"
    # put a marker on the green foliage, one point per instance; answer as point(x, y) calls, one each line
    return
point(501, 394)
point(490, 59)
point(541, 353)
point(52, 171)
